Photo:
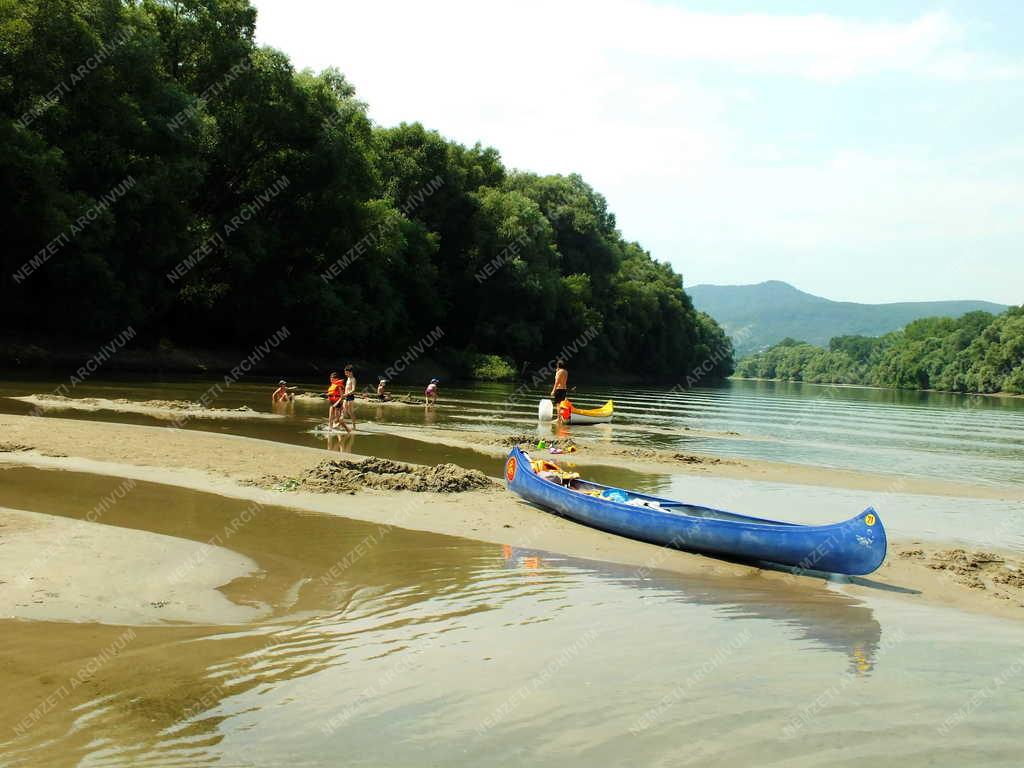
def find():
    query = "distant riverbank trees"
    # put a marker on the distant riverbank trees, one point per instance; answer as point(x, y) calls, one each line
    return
point(260, 197)
point(976, 353)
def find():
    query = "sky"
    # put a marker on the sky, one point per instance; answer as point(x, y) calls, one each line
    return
point(863, 151)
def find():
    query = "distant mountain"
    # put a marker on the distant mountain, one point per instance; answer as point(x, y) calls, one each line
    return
point(757, 316)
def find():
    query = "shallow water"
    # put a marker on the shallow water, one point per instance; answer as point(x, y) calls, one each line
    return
point(427, 649)
point(921, 434)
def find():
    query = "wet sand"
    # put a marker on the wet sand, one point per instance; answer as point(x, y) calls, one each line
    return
point(237, 466)
point(55, 569)
point(162, 409)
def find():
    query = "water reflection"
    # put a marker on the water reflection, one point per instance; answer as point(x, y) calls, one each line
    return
point(827, 620)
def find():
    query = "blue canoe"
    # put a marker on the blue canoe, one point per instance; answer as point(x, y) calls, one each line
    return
point(855, 547)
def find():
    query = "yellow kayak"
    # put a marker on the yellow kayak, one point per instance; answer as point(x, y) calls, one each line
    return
point(572, 415)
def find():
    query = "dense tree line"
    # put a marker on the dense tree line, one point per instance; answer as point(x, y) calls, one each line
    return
point(978, 352)
point(160, 170)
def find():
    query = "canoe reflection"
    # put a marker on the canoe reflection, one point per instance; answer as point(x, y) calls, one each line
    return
point(829, 620)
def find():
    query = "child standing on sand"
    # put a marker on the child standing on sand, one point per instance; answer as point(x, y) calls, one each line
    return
point(431, 392)
point(350, 396)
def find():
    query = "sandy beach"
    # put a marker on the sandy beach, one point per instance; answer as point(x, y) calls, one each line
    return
point(258, 470)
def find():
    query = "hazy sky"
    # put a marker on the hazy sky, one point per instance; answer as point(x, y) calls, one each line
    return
point(864, 151)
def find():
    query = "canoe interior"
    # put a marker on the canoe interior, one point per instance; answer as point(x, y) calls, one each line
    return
point(670, 506)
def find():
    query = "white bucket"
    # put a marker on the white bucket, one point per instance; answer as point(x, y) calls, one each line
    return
point(546, 410)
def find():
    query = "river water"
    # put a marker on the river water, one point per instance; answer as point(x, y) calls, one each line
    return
point(973, 439)
point(427, 649)
point(437, 650)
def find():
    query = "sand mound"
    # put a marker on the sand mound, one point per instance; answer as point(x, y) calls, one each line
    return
point(351, 475)
point(977, 570)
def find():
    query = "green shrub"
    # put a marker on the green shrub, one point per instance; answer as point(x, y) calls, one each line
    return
point(493, 368)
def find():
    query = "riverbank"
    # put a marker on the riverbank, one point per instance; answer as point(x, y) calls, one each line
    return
point(238, 467)
point(845, 385)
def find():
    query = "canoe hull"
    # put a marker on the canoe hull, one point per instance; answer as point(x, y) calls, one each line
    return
point(601, 415)
point(855, 547)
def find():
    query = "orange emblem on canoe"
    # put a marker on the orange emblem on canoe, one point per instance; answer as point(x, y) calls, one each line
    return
point(510, 470)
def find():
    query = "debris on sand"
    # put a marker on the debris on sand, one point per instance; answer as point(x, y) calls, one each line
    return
point(14, 447)
point(963, 562)
point(692, 458)
point(370, 398)
point(686, 458)
point(522, 438)
point(640, 453)
point(351, 475)
point(366, 397)
point(1011, 577)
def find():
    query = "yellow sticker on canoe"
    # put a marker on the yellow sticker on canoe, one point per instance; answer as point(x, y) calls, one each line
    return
point(869, 519)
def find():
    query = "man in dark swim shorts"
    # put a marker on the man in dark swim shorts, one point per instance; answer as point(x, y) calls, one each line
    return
point(561, 384)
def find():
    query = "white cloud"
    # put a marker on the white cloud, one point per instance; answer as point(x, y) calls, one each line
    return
point(620, 92)
point(537, 37)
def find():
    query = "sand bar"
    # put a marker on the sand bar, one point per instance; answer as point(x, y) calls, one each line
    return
point(237, 467)
point(59, 569)
point(177, 410)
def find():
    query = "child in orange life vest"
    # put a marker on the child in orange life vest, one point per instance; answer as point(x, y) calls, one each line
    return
point(335, 398)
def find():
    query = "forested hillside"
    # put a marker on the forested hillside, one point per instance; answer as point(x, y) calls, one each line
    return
point(160, 170)
point(978, 352)
point(757, 316)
